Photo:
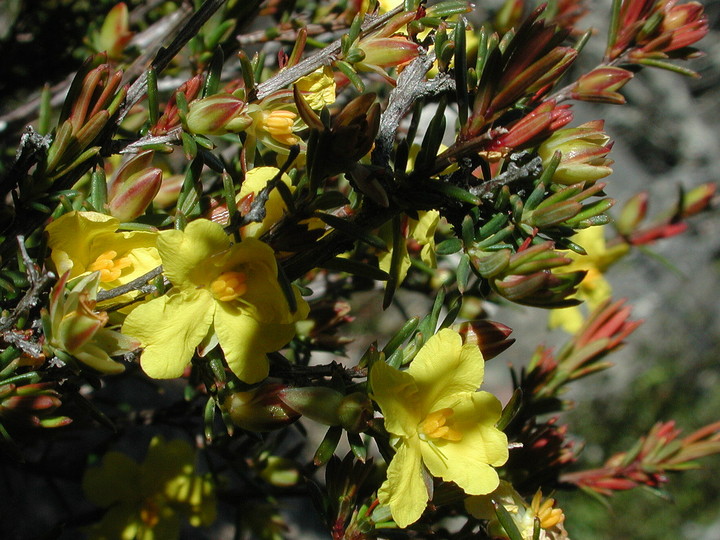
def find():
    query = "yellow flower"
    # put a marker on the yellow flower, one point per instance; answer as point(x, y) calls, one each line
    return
point(523, 515)
point(255, 181)
point(220, 289)
point(85, 242)
point(594, 288)
point(149, 500)
point(442, 424)
point(318, 88)
point(274, 127)
point(420, 232)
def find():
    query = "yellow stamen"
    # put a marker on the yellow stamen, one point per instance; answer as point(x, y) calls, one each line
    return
point(435, 426)
point(279, 125)
point(544, 511)
point(228, 286)
point(110, 268)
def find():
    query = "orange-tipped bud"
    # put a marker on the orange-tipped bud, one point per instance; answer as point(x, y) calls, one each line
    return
point(388, 52)
point(134, 187)
point(601, 85)
point(218, 114)
point(489, 336)
point(115, 32)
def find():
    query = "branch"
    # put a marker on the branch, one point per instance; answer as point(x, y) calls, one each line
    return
point(134, 285)
point(165, 55)
point(411, 86)
point(321, 58)
point(37, 283)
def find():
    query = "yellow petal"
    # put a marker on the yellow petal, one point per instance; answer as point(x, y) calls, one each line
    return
point(245, 341)
point(73, 233)
point(165, 461)
point(405, 491)
point(469, 462)
point(76, 240)
point(255, 181)
point(169, 328)
point(445, 367)
point(397, 394)
point(189, 257)
point(114, 480)
point(264, 299)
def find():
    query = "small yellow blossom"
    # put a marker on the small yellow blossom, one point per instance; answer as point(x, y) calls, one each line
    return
point(219, 289)
point(318, 88)
point(420, 232)
point(279, 124)
point(255, 181)
point(442, 425)
point(550, 517)
point(85, 242)
point(594, 288)
point(149, 500)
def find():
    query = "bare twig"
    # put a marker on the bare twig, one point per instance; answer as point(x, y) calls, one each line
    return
point(321, 58)
point(411, 86)
point(134, 285)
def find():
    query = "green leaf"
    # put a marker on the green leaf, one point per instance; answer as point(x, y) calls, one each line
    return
point(463, 273)
point(357, 446)
point(507, 522)
point(212, 82)
point(407, 329)
point(327, 446)
point(511, 409)
point(449, 246)
point(351, 74)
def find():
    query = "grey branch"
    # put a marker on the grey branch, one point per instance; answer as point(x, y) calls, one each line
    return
point(134, 285)
point(321, 58)
point(411, 86)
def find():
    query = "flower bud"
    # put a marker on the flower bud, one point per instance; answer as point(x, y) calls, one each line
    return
point(354, 412)
point(72, 326)
point(698, 199)
point(330, 407)
point(584, 150)
point(31, 405)
point(387, 52)
point(134, 187)
point(601, 85)
point(260, 409)
point(632, 213)
point(534, 127)
point(115, 32)
point(217, 114)
point(488, 336)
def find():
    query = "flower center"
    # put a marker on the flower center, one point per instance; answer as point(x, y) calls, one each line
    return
point(110, 266)
point(228, 286)
point(435, 426)
point(279, 124)
point(150, 512)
